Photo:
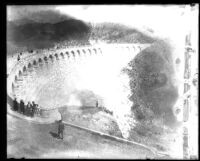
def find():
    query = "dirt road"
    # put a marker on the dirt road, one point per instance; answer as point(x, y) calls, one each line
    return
point(30, 140)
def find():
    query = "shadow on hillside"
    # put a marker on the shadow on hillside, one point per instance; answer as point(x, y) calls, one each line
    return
point(44, 29)
point(54, 135)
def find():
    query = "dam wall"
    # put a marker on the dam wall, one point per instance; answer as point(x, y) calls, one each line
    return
point(29, 60)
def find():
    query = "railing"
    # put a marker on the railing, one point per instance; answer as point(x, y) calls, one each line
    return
point(49, 51)
point(40, 111)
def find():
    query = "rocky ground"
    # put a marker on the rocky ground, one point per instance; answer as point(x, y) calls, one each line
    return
point(39, 141)
point(161, 138)
point(92, 118)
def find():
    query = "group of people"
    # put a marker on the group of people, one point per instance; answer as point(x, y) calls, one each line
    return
point(107, 111)
point(103, 108)
point(29, 110)
point(18, 57)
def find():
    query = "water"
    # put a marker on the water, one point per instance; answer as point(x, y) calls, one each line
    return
point(61, 82)
point(49, 83)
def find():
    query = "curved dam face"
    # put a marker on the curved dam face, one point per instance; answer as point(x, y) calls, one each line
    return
point(77, 77)
point(69, 78)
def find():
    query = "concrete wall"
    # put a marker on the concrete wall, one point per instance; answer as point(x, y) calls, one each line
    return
point(29, 59)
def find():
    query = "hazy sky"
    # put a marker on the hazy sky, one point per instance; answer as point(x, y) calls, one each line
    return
point(164, 20)
point(172, 21)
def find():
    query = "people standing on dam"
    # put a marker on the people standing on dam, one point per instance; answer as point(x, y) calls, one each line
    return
point(19, 107)
point(37, 110)
point(28, 109)
point(22, 108)
point(18, 58)
point(97, 103)
point(15, 105)
point(61, 127)
point(33, 108)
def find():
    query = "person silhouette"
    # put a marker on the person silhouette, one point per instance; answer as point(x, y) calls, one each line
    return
point(15, 104)
point(97, 103)
point(61, 128)
point(22, 108)
point(28, 109)
point(18, 58)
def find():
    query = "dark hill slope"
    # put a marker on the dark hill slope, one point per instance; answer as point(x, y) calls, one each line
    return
point(34, 32)
point(42, 29)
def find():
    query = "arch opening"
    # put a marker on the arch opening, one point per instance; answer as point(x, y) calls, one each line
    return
point(100, 50)
point(45, 58)
point(84, 51)
point(178, 60)
point(15, 78)
point(24, 69)
point(56, 55)
point(29, 65)
point(133, 47)
point(139, 48)
point(95, 51)
point(62, 54)
point(20, 73)
point(78, 52)
point(90, 51)
point(40, 60)
point(34, 62)
point(13, 86)
point(73, 53)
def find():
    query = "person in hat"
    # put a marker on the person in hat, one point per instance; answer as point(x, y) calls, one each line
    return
point(97, 104)
point(18, 58)
point(61, 128)
point(33, 108)
point(28, 109)
point(15, 105)
point(21, 106)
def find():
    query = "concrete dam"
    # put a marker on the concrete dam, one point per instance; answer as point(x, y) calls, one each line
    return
point(49, 77)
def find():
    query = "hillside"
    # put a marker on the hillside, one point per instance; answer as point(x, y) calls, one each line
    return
point(45, 29)
point(45, 35)
point(118, 33)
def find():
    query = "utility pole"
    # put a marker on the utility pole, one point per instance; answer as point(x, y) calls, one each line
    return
point(186, 102)
point(189, 52)
point(190, 141)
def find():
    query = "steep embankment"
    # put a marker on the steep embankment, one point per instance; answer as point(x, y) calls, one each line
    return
point(151, 83)
point(153, 93)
